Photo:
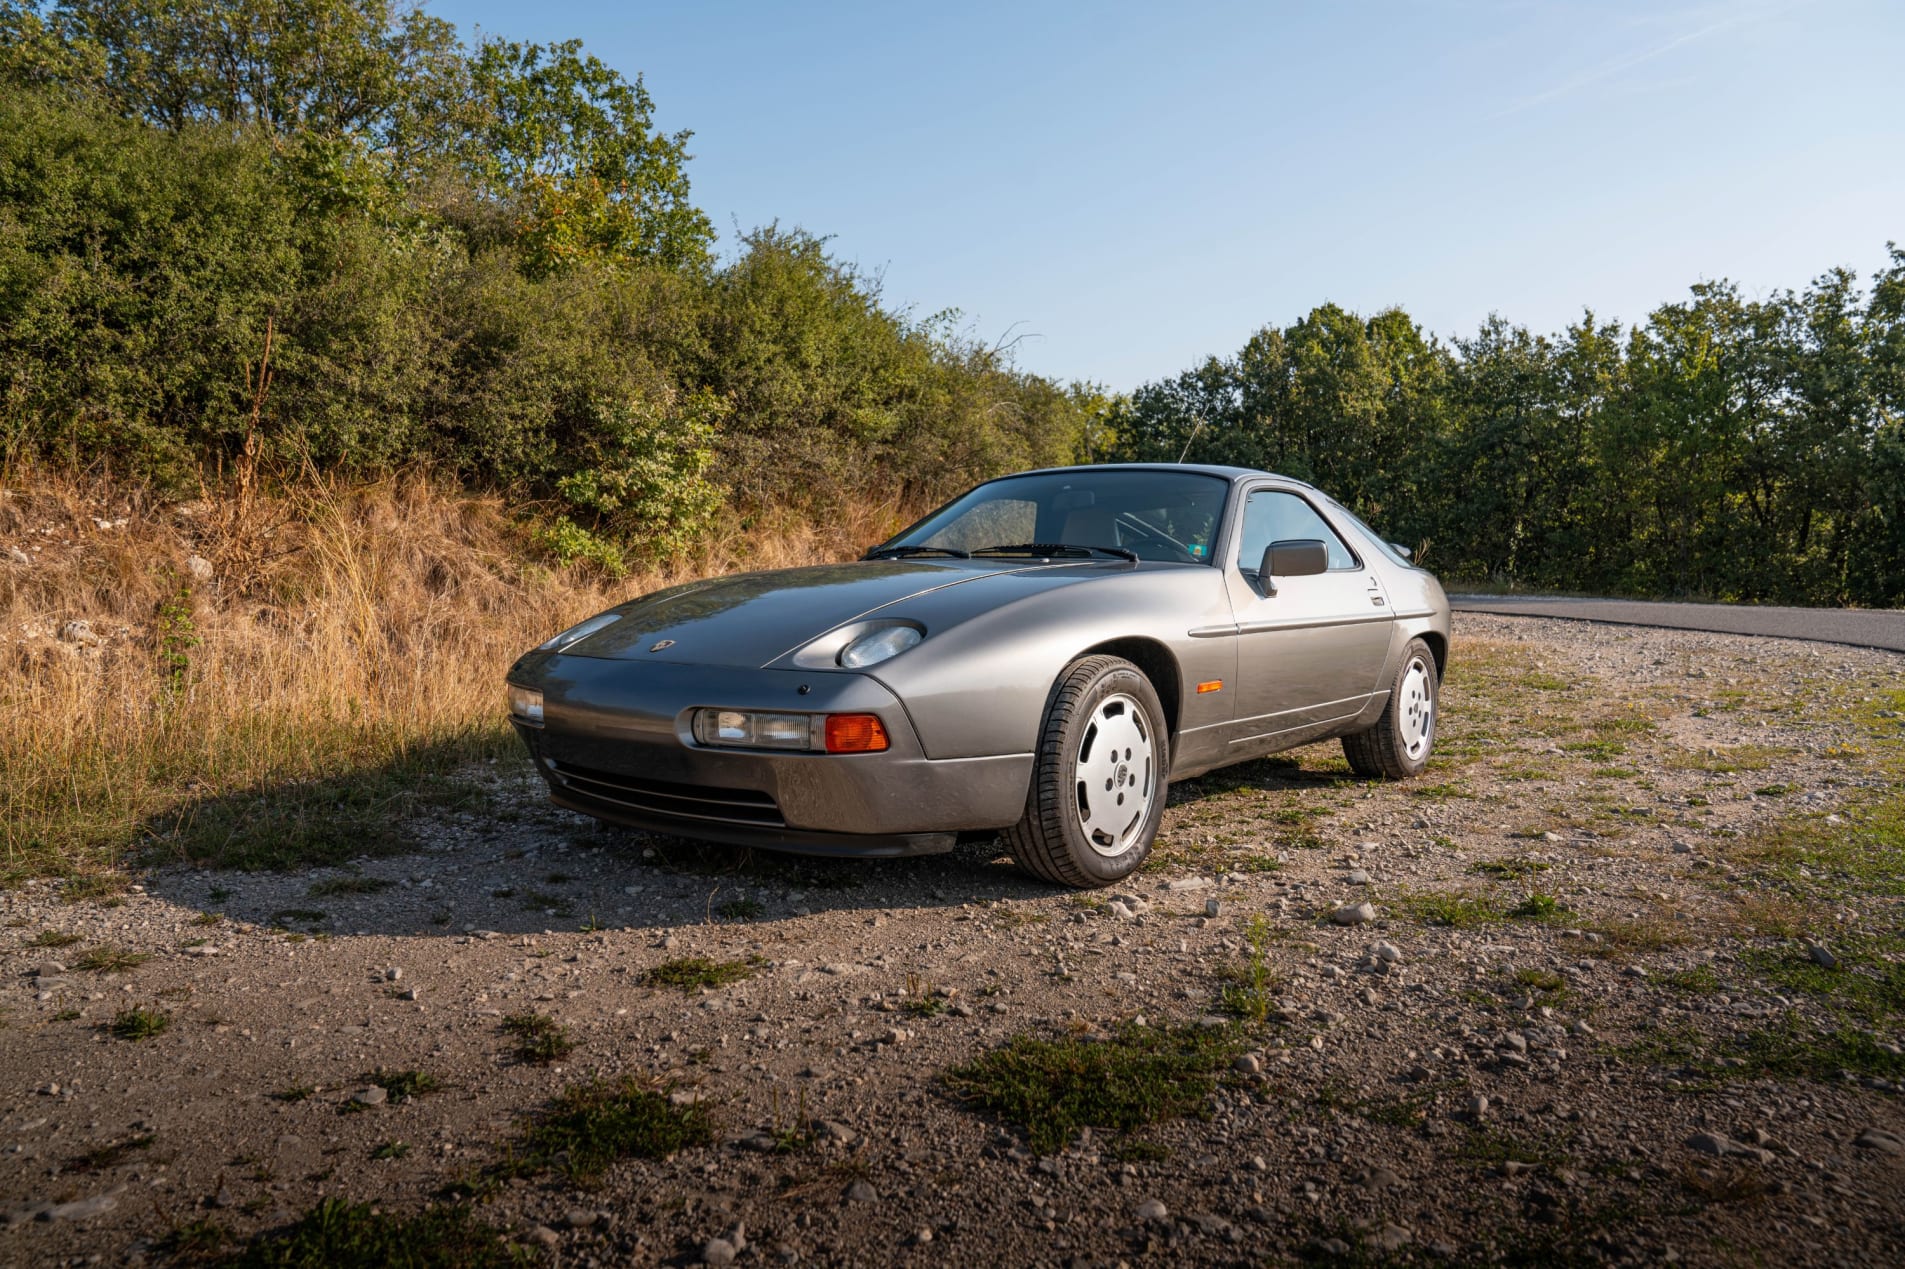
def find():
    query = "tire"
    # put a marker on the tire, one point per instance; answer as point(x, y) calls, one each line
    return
point(1398, 746)
point(1094, 811)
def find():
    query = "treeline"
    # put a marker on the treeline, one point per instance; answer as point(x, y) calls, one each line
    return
point(1728, 448)
point(332, 231)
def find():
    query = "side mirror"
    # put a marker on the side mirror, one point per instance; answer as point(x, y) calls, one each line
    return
point(1293, 557)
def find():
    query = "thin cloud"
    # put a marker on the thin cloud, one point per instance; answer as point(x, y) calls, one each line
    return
point(1608, 69)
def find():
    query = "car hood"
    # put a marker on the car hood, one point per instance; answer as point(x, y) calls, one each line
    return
point(753, 619)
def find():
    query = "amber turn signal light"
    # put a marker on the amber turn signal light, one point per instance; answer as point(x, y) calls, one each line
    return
point(855, 733)
point(1214, 685)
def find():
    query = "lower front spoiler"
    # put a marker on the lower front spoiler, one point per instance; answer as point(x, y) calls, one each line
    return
point(793, 841)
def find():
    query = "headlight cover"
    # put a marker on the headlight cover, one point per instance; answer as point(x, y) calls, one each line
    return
point(879, 645)
point(579, 632)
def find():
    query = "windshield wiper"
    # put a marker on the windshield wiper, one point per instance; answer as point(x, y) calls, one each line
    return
point(901, 552)
point(1057, 548)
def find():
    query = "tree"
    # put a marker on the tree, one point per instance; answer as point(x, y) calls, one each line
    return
point(571, 144)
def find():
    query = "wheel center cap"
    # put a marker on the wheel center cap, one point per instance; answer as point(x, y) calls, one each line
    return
point(1124, 773)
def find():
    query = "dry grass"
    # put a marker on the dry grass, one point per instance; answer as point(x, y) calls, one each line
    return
point(342, 666)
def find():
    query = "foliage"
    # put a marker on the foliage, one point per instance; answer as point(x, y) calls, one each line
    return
point(175, 634)
point(479, 256)
point(482, 256)
point(1734, 448)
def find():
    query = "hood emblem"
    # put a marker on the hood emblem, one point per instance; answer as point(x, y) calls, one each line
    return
point(665, 643)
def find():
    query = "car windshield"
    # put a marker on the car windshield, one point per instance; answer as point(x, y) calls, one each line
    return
point(1151, 515)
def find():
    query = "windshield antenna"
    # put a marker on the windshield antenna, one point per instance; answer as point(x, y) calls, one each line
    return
point(1191, 439)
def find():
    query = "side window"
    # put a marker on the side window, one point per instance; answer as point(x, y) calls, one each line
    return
point(1271, 515)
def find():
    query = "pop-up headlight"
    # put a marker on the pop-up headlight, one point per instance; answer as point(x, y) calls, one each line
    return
point(879, 645)
point(575, 634)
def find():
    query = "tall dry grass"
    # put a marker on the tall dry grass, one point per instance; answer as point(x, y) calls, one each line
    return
point(340, 668)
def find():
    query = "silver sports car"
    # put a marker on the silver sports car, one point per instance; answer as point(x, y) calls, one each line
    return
point(1036, 659)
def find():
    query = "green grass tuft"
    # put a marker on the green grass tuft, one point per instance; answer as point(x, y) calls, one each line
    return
point(1866, 987)
point(688, 973)
point(1547, 982)
point(1537, 906)
point(52, 939)
point(139, 1024)
point(1510, 869)
point(107, 959)
point(1247, 990)
point(1052, 1088)
point(590, 1127)
point(93, 885)
point(402, 1086)
point(1462, 911)
point(341, 1235)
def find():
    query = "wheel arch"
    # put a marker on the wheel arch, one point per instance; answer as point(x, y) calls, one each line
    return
point(1158, 664)
point(1438, 648)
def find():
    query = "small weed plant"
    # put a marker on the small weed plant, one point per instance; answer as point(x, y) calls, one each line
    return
point(540, 1039)
point(139, 1024)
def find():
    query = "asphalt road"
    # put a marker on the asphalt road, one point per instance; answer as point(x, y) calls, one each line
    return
point(1860, 627)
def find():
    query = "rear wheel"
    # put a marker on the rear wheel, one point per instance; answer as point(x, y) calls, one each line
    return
point(1397, 747)
point(1098, 777)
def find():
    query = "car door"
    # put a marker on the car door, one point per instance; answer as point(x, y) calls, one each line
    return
point(1310, 650)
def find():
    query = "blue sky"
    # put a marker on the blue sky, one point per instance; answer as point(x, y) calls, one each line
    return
point(1135, 186)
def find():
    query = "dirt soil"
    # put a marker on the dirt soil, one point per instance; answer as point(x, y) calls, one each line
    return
point(1590, 1019)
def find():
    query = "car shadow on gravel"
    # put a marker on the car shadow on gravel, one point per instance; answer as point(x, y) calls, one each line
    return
point(521, 867)
point(433, 848)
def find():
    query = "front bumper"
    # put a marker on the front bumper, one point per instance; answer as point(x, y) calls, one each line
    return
point(615, 744)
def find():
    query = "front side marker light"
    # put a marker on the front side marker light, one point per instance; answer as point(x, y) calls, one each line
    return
point(525, 703)
point(855, 733)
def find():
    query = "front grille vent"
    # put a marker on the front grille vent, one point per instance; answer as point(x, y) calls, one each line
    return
point(663, 797)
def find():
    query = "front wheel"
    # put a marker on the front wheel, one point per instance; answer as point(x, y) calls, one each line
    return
point(1098, 778)
point(1397, 747)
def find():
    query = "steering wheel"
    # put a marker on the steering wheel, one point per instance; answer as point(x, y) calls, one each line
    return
point(1177, 549)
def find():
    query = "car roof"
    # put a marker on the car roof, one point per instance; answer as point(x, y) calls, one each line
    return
point(1207, 469)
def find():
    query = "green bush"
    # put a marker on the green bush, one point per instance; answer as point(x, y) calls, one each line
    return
point(479, 258)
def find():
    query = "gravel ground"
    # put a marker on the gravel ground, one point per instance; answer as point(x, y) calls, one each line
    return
point(1432, 1079)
